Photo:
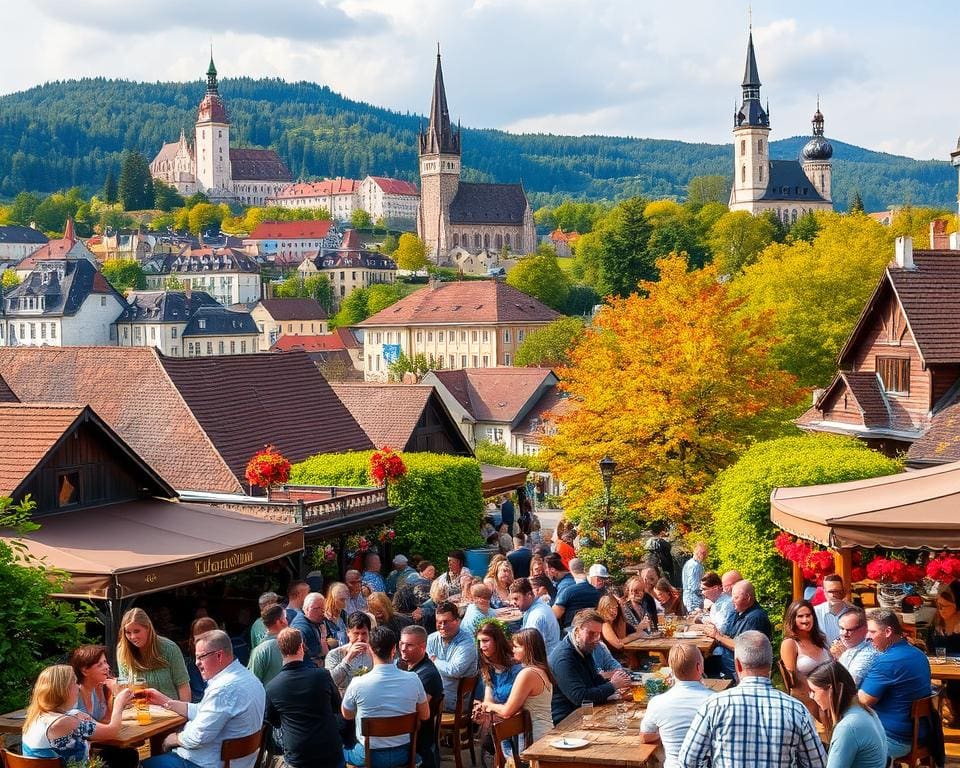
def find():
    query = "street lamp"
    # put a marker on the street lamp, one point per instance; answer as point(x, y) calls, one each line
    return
point(607, 467)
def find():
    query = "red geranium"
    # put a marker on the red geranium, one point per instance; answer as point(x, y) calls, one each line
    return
point(386, 465)
point(268, 468)
point(814, 564)
point(887, 569)
point(944, 567)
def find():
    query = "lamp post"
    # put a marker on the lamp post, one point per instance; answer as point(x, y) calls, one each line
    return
point(607, 467)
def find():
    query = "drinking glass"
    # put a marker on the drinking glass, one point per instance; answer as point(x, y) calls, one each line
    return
point(639, 692)
point(941, 654)
point(622, 716)
point(586, 714)
point(140, 701)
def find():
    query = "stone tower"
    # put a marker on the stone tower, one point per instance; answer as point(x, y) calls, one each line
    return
point(212, 141)
point(751, 131)
point(815, 157)
point(439, 149)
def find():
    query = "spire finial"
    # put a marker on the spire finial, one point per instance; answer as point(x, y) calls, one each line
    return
point(750, 16)
point(438, 49)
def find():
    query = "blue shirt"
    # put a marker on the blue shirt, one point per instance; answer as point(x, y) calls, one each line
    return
point(690, 579)
point(384, 691)
point(603, 659)
point(231, 708)
point(473, 616)
point(453, 660)
point(899, 676)
point(858, 741)
point(563, 585)
point(576, 598)
point(737, 623)
point(540, 617)
point(375, 581)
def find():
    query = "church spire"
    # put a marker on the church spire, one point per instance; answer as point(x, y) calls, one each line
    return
point(751, 112)
point(439, 137)
point(211, 75)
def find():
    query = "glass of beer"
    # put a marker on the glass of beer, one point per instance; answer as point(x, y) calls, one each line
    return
point(140, 701)
point(639, 692)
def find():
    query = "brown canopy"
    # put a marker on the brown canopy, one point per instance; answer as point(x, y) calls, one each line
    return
point(910, 510)
point(496, 480)
point(123, 550)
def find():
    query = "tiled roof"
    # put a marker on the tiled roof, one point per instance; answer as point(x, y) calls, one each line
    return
point(930, 297)
point(341, 338)
point(343, 258)
point(246, 402)
point(470, 301)
point(388, 413)
point(788, 182)
point(351, 240)
point(27, 433)
point(395, 186)
point(290, 230)
point(206, 259)
point(940, 444)
point(495, 394)
point(220, 321)
point(129, 389)
point(61, 248)
point(258, 165)
point(488, 204)
point(554, 403)
point(14, 233)
point(6, 394)
point(164, 306)
point(865, 387)
point(294, 309)
point(559, 236)
point(323, 188)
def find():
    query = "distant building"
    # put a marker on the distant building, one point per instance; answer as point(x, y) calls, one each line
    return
point(350, 266)
point(340, 344)
point(159, 318)
point(66, 248)
point(789, 188)
point(228, 274)
point(392, 200)
point(212, 166)
point(337, 195)
point(476, 324)
point(16, 243)
point(562, 242)
point(454, 213)
point(276, 318)
point(220, 331)
point(286, 243)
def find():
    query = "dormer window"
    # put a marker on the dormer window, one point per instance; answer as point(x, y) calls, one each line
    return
point(202, 323)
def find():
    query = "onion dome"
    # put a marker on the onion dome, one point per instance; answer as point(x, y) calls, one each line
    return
point(818, 148)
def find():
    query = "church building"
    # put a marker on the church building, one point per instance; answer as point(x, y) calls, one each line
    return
point(789, 188)
point(211, 166)
point(455, 215)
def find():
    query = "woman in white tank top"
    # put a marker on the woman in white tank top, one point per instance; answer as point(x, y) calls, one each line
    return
point(803, 649)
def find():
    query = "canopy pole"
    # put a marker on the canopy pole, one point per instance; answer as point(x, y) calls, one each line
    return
point(843, 566)
point(797, 582)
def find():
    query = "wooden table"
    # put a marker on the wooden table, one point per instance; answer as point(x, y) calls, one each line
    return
point(662, 645)
point(945, 671)
point(607, 745)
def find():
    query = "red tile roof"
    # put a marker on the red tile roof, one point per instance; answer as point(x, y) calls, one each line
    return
point(553, 405)
point(294, 309)
point(559, 236)
point(290, 230)
point(495, 394)
point(388, 413)
point(336, 186)
point(351, 240)
point(54, 250)
point(396, 186)
point(27, 433)
point(471, 301)
point(6, 394)
point(341, 338)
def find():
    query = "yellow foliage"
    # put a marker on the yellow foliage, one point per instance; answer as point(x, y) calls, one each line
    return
point(662, 209)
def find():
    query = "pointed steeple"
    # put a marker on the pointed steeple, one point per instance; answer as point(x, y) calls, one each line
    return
point(211, 75)
point(439, 137)
point(750, 75)
point(751, 112)
point(68, 233)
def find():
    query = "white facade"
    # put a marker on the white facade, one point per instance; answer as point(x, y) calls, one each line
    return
point(167, 337)
point(89, 326)
point(226, 287)
point(376, 197)
point(212, 144)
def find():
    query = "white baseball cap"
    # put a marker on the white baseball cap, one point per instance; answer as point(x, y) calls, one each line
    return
point(598, 571)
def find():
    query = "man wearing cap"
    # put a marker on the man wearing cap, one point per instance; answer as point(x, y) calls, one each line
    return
point(399, 575)
point(587, 594)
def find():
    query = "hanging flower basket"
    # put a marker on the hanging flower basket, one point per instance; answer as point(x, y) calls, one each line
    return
point(385, 465)
point(814, 563)
point(267, 469)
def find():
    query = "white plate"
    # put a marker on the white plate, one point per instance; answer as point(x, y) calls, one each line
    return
point(688, 635)
point(570, 743)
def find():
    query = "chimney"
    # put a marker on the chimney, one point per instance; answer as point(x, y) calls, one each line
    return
point(904, 252)
point(938, 235)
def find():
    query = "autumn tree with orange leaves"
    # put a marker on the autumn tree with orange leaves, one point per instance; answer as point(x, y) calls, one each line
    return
point(673, 383)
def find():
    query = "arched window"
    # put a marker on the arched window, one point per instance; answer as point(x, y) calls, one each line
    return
point(498, 242)
point(743, 173)
point(456, 239)
point(506, 239)
point(761, 173)
point(743, 146)
point(476, 239)
point(486, 240)
point(793, 218)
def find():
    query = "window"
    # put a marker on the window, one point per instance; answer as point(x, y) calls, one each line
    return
point(760, 146)
point(895, 374)
point(137, 333)
point(419, 336)
point(68, 488)
point(430, 336)
point(289, 327)
point(486, 335)
point(463, 335)
point(153, 333)
point(33, 330)
point(103, 301)
point(439, 335)
point(743, 173)
point(453, 362)
point(221, 347)
point(43, 330)
point(486, 361)
point(173, 332)
point(175, 351)
point(506, 359)
point(233, 347)
point(463, 361)
point(506, 335)
point(475, 361)
point(53, 330)
point(202, 323)
point(495, 435)
point(520, 334)
point(761, 172)
point(243, 347)
point(743, 146)
point(473, 336)
point(209, 347)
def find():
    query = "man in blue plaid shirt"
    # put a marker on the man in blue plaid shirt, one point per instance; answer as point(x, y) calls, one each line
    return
point(753, 724)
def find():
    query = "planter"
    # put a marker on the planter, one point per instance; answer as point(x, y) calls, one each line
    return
point(890, 596)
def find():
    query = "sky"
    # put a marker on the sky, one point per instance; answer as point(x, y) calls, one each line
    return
point(670, 70)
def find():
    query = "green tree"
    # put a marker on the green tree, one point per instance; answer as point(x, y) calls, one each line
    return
point(203, 216)
point(165, 197)
point(110, 189)
point(353, 309)
point(196, 197)
point(124, 274)
point(173, 284)
point(389, 245)
point(23, 209)
point(136, 185)
point(54, 210)
point(804, 228)
point(539, 275)
point(411, 253)
point(615, 257)
point(676, 230)
point(9, 279)
point(419, 364)
point(498, 455)
point(708, 189)
point(581, 300)
point(317, 287)
point(737, 238)
point(162, 222)
point(360, 219)
point(856, 202)
point(382, 295)
point(550, 346)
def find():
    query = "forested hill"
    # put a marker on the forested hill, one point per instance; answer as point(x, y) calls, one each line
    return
point(70, 133)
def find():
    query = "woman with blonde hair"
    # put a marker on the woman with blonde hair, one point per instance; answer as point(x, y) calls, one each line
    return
point(142, 652)
point(335, 613)
point(499, 581)
point(382, 609)
point(614, 631)
point(53, 727)
point(439, 592)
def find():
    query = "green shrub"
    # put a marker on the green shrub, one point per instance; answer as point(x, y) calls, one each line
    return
point(739, 501)
point(496, 454)
point(439, 501)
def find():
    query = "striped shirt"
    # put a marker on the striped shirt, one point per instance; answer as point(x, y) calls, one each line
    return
point(752, 725)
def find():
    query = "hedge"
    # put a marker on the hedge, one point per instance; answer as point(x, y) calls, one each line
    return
point(739, 502)
point(439, 501)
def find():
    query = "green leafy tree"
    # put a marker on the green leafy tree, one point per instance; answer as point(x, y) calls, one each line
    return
point(804, 228)
point(353, 309)
point(23, 209)
point(498, 455)
point(539, 275)
point(615, 257)
point(165, 197)
point(204, 216)
point(173, 284)
point(737, 238)
point(195, 198)
point(419, 364)
point(9, 279)
point(708, 189)
point(550, 346)
point(110, 189)
point(316, 287)
point(162, 222)
point(581, 300)
point(135, 187)
point(738, 501)
point(360, 219)
point(382, 295)
point(124, 274)
point(411, 253)
point(856, 202)
point(676, 230)
point(54, 210)
point(389, 245)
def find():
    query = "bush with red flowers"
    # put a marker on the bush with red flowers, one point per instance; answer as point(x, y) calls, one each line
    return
point(944, 567)
point(815, 564)
point(268, 468)
point(385, 465)
point(892, 571)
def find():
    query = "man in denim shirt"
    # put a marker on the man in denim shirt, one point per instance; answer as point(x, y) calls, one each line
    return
point(453, 651)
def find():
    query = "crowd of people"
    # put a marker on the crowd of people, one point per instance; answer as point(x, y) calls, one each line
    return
point(377, 645)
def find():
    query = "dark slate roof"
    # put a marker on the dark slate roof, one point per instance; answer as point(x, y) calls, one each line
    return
point(6, 394)
point(206, 259)
point(439, 136)
point(165, 306)
point(258, 165)
point(751, 76)
point(63, 296)
point(345, 258)
point(488, 204)
point(788, 182)
point(294, 309)
point(220, 321)
point(14, 233)
point(305, 416)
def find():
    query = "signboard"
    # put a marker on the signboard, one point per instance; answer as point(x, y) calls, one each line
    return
point(391, 353)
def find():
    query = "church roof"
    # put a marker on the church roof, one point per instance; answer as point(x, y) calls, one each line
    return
point(439, 136)
point(488, 204)
point(789, 182)
point(258, 165)
point(751, 77)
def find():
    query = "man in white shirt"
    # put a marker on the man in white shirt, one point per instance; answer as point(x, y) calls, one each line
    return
point(669, 715)
point(536, 614)
point(829, 612)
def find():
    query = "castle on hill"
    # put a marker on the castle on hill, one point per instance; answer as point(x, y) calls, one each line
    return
point(212, 166)
point(789, 188)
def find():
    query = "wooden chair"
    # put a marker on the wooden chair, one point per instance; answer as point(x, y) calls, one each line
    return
point(436, 715)
point(920, 754)
point(234, 749)
point(458, 723)
point(397, 725)
point(787, 676)
point(13, 760)
point(510, 730)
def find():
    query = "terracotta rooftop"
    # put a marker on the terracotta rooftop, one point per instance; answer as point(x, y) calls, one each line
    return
point(395, 186)
point(388, 413)
point(470, 301)
point(338, 186)
point(290, 230)
point(866, 390)
point(553, 405)
point(341, 338)
point(6, 394)
point(294, 309)
point(27, 433)
point(496, 394)
point(258, 165)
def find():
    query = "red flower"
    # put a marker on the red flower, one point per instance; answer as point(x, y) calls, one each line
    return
point(944, 567)
point(386, 465)
point(268, 468)
point(893, 571)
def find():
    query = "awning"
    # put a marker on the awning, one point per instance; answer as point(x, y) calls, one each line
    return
point(910, 510)
point(496, 480)
point(123, 550)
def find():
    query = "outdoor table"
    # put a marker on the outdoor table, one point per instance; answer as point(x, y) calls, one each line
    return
point(607, 745)
point(661, 645)
point(948, 670)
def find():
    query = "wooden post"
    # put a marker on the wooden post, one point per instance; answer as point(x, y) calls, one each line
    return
point(843, 565)
point(797, 582)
